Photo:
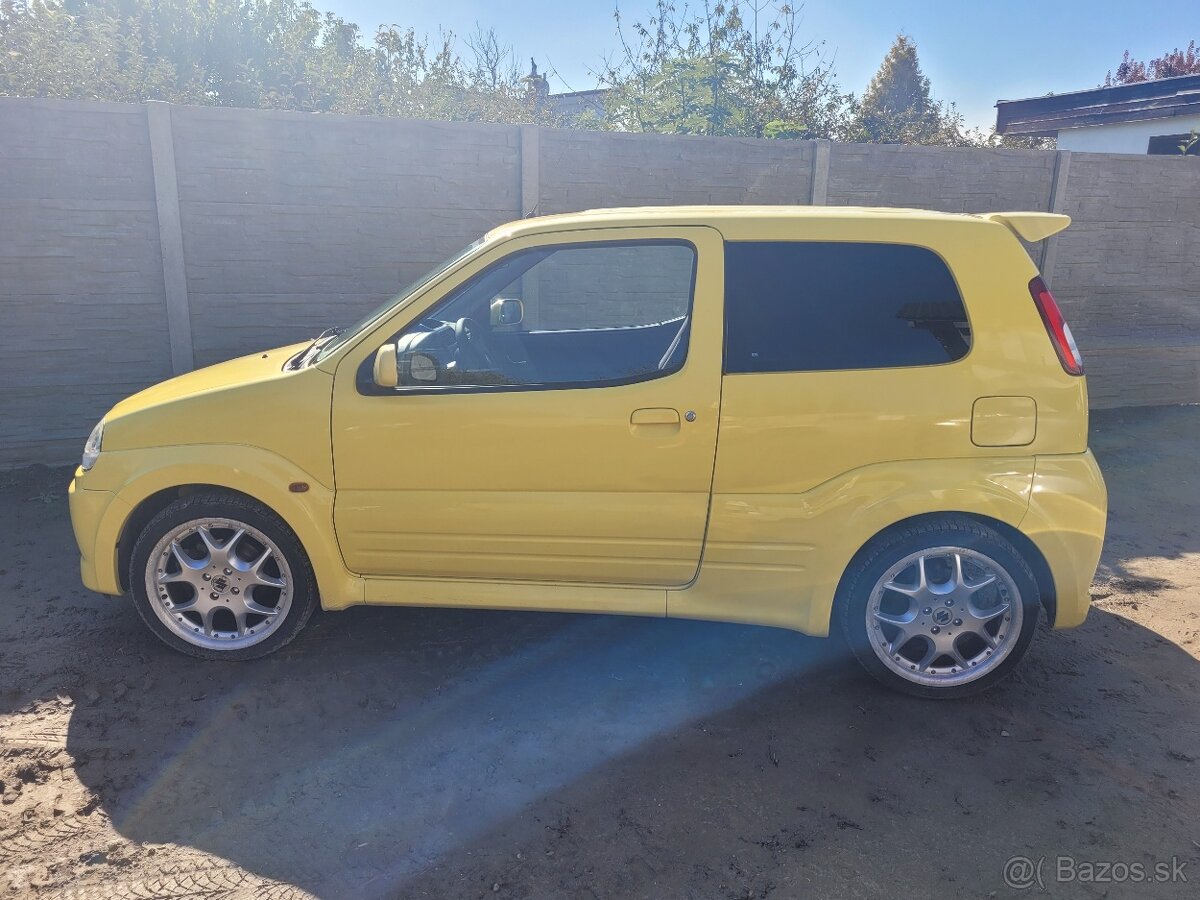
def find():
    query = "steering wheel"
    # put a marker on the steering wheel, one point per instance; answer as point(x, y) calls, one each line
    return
point(469, 338)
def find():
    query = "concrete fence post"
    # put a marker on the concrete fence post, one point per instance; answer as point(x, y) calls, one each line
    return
point(531, 181)
point(820, 173)
point(170, 235)
point(1058, 196)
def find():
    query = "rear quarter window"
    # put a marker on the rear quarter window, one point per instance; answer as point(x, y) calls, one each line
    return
point(793, 306)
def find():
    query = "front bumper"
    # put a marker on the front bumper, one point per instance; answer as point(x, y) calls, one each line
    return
point(96, 518)
point(1068, 511)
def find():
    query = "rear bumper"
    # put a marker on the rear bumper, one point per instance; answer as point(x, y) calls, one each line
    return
point(96, 518)
point(1068, 510)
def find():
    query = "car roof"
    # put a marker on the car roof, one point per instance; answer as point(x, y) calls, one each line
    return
point(712, 215)
point(1031, 226)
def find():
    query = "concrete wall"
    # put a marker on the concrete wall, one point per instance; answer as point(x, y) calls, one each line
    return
point(292, 223)
point(136, 238)
point(1127, 274)
point(957, 181)
point(588, 169)
point(82, 319)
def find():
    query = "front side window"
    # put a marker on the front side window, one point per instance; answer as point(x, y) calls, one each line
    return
point(793, 306)
point(570, 315)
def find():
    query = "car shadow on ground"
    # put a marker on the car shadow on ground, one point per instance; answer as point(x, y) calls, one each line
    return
point(449, 753)
point(424, 752)
point(1148, 457)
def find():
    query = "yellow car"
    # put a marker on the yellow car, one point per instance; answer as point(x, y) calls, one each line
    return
point(774, 415)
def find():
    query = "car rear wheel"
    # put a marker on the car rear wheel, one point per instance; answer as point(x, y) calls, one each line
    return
point(218, 576)
point(942, 609)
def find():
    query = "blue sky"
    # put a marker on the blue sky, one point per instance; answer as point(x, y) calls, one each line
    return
point(974, 52)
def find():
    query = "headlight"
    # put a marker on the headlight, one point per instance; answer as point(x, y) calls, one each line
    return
point(91, 450)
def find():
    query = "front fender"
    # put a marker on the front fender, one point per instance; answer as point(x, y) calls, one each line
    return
point(130, 477)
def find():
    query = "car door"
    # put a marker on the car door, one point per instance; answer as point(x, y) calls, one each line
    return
point(565, 433)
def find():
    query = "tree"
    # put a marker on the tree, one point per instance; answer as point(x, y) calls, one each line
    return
point(898, 107)
point(494, 64)
point(720, 67)
point(1170, 64)
point(727, 68)
point(252, 53)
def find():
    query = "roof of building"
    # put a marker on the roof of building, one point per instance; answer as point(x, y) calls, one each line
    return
point(1161, 98)
point(572, 104)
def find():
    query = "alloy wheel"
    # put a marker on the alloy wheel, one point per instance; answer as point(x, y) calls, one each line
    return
point(944, 616)
point(218, 583)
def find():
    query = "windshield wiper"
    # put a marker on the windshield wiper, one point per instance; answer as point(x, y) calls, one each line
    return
point(324, 335)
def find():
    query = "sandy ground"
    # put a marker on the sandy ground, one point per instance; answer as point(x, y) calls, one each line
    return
point(429, 753)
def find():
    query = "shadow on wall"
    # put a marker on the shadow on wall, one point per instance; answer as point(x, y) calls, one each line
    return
point(410, 750)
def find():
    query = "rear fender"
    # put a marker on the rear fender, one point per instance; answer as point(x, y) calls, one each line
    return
point(777, 559)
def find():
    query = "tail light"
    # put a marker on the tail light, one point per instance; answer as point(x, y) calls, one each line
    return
point(1056, 327)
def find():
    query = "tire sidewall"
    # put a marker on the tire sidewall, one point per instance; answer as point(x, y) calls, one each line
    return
point(235, 509)
point(871, 565)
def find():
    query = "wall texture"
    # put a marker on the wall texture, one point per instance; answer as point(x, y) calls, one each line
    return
point(82, 320)
point(291, 222)
point(1128, 275)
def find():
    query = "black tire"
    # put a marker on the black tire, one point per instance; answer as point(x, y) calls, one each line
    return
point(235, 508)
point(893, 546)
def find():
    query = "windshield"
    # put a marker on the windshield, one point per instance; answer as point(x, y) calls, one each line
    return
point(375, 314)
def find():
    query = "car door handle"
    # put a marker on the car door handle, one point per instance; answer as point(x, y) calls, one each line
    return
point(655, 416)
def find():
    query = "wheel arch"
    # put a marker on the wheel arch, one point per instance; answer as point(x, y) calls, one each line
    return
point(154, 478)
point(1026, 547)
point(135, 523)
point(151, 505)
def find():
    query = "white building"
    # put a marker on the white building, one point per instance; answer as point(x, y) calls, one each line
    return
point(1153, 117)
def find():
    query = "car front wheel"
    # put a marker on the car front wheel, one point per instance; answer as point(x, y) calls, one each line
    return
point(940, 609)
point(218, 576)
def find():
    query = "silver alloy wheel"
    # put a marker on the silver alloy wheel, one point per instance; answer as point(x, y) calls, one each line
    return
point(218, 583)
point(944, 616)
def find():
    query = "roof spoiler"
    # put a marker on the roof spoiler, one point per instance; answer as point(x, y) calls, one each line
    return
point(1031, 226)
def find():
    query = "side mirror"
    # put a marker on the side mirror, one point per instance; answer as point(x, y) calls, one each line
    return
point(386, 372)
point(423, 367)
point(508, 312)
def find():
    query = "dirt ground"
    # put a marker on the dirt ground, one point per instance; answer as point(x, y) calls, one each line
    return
point(433, 753)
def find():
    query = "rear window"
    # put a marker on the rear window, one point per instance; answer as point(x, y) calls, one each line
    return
point(794, 306)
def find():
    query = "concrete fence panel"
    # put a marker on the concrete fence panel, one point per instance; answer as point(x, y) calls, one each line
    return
point(295, 222)
point(1128, 275)
point(136, 240)
point(82, 318)
point(590, 169)
point(956, 181)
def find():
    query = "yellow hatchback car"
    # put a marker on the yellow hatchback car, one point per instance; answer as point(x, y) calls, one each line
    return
point(774, 415)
